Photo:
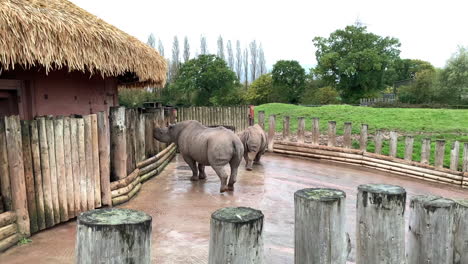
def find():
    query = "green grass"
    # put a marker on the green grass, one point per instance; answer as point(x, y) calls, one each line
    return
point(447, 124)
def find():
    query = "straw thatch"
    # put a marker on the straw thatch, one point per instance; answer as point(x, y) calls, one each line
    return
point(58, 34)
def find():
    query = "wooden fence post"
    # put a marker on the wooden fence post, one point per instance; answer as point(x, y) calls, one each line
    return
point(236, 236)
point(347, 141)
point(331, 134)
point(53, 168)
point(118, 138)
point(393, 144)
point(320, 226)
point(409, 142)
point(130, 120)
point(75, 164)
point(271, 132)
point(363, 138)
point(16, 172)
point(300, 129)
point(439, 153)
point(5, 184)
point(67, 150)
point(425, 150)
point(104, 157)
point(82, 164)
point(45, 170)
point(461, 231)
point(113, 236)
point(261, 119)
point(378, 141)
point(382, 242)
point(61, 172)
point(29, 176)
point(38, 178)
point(90, 178)
point(431, 225)
point(96, 165)
point(455, 155)
point(465, 157)
point(140, 136)
point(315, 131)
point(286, 128)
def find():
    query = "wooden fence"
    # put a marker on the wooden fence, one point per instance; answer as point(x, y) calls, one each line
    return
point(455, 175)
point(53, 168)
point(234, 116)
point(372, 101)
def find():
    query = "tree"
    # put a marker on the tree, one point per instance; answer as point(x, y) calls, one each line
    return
point(261, 61)
point(186, 49)
point(355, 61)
point(175, 63)
point(321, 96)
point(238, 60)
point(421, 90)
point(203, 46)
point(221, 47)
point(205, 80)
point(230, 60)
point(253, 60)
point(259, 92)
point(288, 81)
point(454, 77)
point(151, 41)
point(246, 67)
point(161, 48)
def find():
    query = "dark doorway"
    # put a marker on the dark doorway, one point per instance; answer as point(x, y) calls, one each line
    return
point(9, 97)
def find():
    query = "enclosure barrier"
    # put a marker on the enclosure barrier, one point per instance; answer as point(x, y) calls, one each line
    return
point(236, 116)
point(405, 167)
point(9, 235)
point(123, 190)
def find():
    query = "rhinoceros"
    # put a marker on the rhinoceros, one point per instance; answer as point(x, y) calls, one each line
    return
point(202, 146)
point(255, 143)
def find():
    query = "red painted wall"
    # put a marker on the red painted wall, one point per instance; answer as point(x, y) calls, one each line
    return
point(62, 92)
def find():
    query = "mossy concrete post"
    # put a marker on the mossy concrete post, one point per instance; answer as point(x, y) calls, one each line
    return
point(319, 229)
point(409, 143)
point(236, 236)
point(439, 153)
point(315, 131)
point(465, 157)
point(347, 134)
point(382, 241)
point(300, 129)
point(331, 133)
point(271, 132)
point(286, 130)
point(461, 232)
point(261, 119)
point(113, 236)
point(431, 226)
point(393, 144)
point(378, 141)
point(425, 150)
point(455, 155)
point(363, 139)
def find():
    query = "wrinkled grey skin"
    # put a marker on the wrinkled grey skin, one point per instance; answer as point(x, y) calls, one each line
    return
point(255, 144)
point(202, 146)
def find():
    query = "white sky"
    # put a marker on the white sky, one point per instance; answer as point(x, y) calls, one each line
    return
point(428, 30)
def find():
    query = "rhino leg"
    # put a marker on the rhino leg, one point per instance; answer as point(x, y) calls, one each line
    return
point(222, 176)
point(193, 166)
point(234, 163)
point(250, 158)
point(201, 172)
point(257, 158)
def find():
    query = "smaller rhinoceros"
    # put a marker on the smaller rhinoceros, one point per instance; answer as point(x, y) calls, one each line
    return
point(255, 144)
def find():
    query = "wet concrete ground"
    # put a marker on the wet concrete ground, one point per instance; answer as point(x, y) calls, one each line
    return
point(181, 209)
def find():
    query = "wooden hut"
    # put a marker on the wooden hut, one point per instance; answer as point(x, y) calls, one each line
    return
point(58, 59)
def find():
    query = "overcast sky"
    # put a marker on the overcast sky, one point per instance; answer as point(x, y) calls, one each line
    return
point(428, 30)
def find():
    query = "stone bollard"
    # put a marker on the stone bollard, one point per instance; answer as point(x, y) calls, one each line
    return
point(431, 225)
point(236, 236)
point(320, 226)
point(113, 236)
point(382, 241)
point(461, 232)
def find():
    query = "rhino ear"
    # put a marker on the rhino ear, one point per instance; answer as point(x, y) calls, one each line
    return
point(171, 126)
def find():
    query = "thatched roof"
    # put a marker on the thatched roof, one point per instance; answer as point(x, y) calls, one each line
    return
point(57, 34)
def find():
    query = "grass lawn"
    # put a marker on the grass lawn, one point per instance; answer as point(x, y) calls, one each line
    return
point(448, 124)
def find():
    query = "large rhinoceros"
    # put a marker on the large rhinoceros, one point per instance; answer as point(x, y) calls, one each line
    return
point(205, 146)
point(255, 143)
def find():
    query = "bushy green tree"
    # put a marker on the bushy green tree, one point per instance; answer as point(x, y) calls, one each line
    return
point(355, 61)
point(259, 92)
point(136, 97)
point(421, 90)
point(288, 81)
point(454, 78)
point(203, 81)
